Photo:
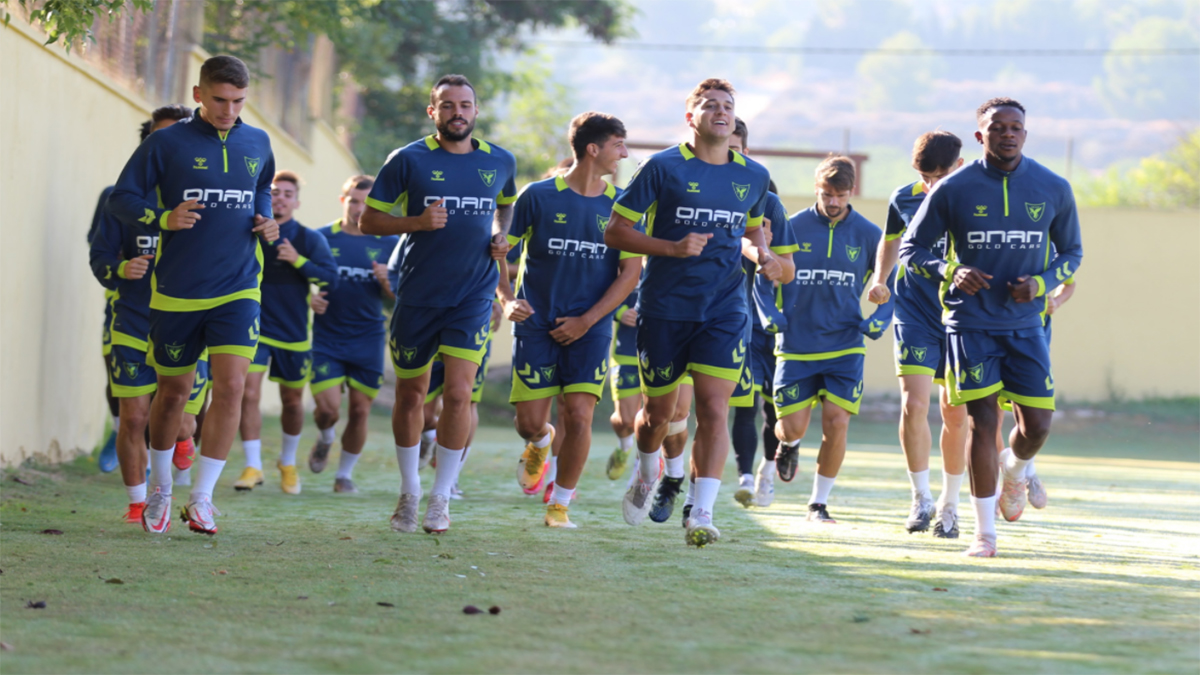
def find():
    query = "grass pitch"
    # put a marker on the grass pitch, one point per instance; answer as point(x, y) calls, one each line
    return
point(1104, 580)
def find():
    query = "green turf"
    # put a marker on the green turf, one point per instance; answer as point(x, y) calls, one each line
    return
point(1104, 580)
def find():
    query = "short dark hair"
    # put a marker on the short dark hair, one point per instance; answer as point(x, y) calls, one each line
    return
point(741, 131)
point(287, 177)
point(359, 182)
point(225, 70)
point(998, 102)
point(935, 150)
point(175, 111)
point(593, 127)
point(709, 85)
point(838, 171)
point(450, 81)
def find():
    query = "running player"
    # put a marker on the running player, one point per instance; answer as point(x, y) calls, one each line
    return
point(463, 189)
point(569, 286)
point(301, 257)
point(625, 386)
point(122, 259)
point(704, 198)
point(766, 320)
point(107, 460)
point(212, 175)
point(821, 351)
point(349, 334)
point(921, 346)
point(1001, 213)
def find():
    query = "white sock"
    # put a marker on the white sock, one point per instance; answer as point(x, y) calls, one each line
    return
point(208, 470)
point(449, 462)
point(985, 514)
point(1030, 471)
point(951, 485)
point(543, 441)
point(706, 495)
point(137, 493)
point(409, 460)
point(561, 495)
point(1013, 466)
point(920, 484)
point(430, 435)
point(625, 442)
point(182, 478)
point(327, 435)
point(160, 469)
point(746, 478)
point(635, 475)
point(466, 451)
point(551, 471)
point(117, 426)
point(822, 486)
point(648, 465)
point(287, 455)
point(767, 467)
point(690, 499)
point(346, 462)
point(675, 466)
point(253, 450)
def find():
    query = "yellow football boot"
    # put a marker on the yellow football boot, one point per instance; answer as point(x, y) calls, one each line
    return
point(556, 516)
point(531, 468)
point(250, 479)
point(289, 480)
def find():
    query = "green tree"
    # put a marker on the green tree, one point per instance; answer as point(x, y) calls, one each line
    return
point(1152, 87)
point(395, 49)
point(892, 82)
point(71, 20)
point(536, 114)
point(1169, 181)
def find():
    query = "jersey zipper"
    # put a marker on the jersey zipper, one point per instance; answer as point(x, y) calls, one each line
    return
point(829, 253)
point(224, 152)
point(1005, 184)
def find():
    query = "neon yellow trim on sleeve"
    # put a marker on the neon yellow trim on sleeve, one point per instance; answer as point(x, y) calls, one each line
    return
point(502, 200)
point(513, 241)
point(620, 312)
point(1041, 284)
point(162, 220)
point(784, 250)
point(628, 213)
point(754, 222)
point(121, 269)
point(1070, 281)
point(383, 206)
point(625, 255)
point(893, 237)
point(299, 262)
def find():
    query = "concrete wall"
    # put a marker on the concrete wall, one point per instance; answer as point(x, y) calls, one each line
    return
point(66, 131)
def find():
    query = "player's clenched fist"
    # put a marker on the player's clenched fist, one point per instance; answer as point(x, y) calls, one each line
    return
point(970, 280)
point(184, 216)
point(266, 228)
point(1025, 290)
point(691, 245)
point(286, 252)
point(434, 217)
point(499, 247)
point(318, 302)
point(136, 269)
point(769, 266)
point(879, 293)
point(517, 311)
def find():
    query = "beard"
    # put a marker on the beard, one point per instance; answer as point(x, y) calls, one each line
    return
point(446, 132)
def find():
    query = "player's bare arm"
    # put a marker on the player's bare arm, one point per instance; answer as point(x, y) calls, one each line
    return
point(1060, 297)
point(623, 236)
point(381, 275)
point(759, 253)
point(515, 310)
point(885, 259)
point(382, 224)
point(500, 227)
point(266, 228)
point(572, 328)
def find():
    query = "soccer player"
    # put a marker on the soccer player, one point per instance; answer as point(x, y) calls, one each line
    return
point(821, 351)
point(349, 334)
point(122, 259)
point(766, 320)
point(459, 191)
point(569, 286)
point(626, 387)
point(301, 257)
point(107, 460)
point(703, 199)
point(1001, 214)
point(212, 175)
point(920, 341)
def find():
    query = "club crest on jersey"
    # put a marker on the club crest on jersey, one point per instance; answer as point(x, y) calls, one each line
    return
point(560, 219)
point(489, 177)
point(741, 191)
point(174, 352)
point(373, 253)
point(131, 369)
point(919, 353)
point(602, 222)
point(693, 187)
point(1035, 211)
point(200, 163)
point(976, 373)
point(253, 164)
point(852, 252)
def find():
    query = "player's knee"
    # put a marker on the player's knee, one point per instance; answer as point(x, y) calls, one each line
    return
point(709, 409)
point(953, 415)
point(836, 419)
point(915, 407)
point(578, 415)
point(408, 396)
point(291, 399)
point(135, 419)
point(527, 426)
point(1036, 429)
point(457, 395)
